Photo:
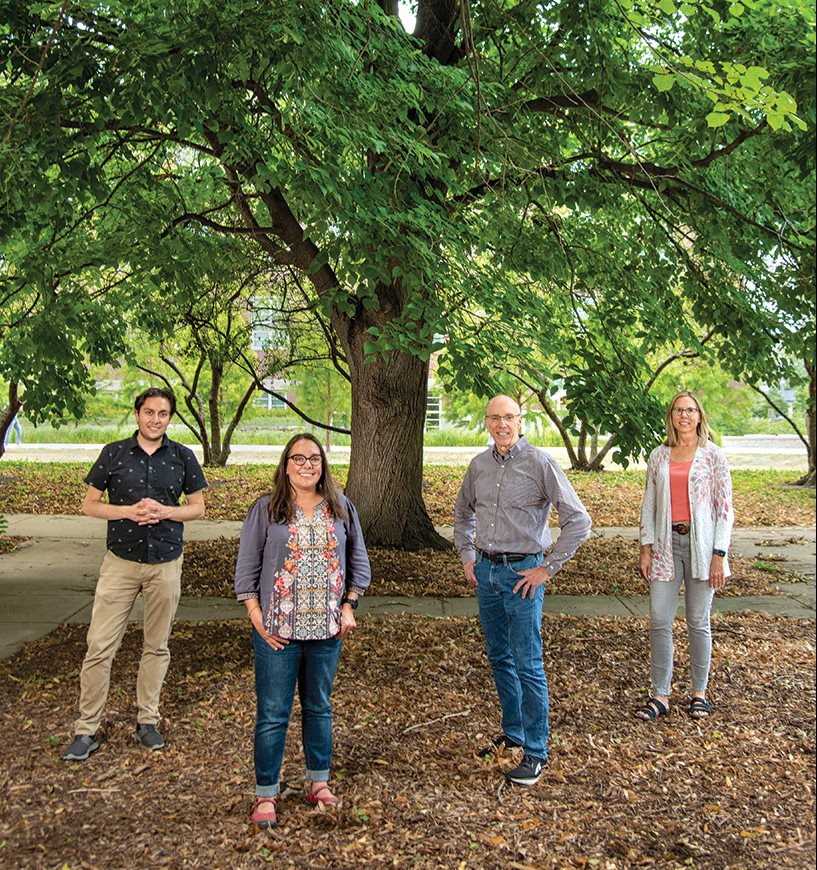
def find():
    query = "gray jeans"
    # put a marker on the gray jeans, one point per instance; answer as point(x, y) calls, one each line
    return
point(698, 596)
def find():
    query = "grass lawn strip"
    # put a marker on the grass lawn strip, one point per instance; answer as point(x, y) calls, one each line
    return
point(413, 701)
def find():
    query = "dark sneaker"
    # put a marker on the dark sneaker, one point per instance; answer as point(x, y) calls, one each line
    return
point(81, 747)
point(149, 737)
point(498, 746)
point(528, 772)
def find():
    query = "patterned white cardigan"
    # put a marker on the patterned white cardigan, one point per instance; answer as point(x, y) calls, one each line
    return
point(711, 513)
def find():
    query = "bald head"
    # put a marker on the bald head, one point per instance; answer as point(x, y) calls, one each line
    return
point(502, 405)
point(503, 419)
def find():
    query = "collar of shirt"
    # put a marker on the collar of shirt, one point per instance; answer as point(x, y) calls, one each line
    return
point(517, 448)
point(133, 442)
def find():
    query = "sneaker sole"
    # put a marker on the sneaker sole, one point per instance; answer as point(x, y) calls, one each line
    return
point(151, 748)
point(92, 748)
point(528, 782)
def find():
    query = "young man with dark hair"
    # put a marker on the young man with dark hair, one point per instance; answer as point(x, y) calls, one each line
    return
point(144, 475)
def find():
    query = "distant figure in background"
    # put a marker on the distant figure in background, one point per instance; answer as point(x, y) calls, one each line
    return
point(686, 528)
point(18, 431)
point(144, 475)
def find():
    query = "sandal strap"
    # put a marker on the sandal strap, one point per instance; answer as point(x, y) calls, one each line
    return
point(700, 705)
point(653, 708)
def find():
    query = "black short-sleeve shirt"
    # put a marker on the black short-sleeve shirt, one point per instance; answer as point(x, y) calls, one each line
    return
point(129, 475)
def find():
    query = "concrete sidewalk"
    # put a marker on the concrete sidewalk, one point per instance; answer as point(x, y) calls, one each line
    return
point(50, 580)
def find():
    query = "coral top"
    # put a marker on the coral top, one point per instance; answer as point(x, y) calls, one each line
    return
point(679, 490)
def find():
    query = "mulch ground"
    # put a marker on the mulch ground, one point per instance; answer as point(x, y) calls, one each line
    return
point(413, 702)
point(602, 566)
point(612, 498)
point(9, 543)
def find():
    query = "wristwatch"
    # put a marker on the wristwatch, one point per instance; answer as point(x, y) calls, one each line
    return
point(721, 553)
point(352, 602)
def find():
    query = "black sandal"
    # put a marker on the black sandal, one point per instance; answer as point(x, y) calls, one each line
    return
point(651, 710)
point(699, 708)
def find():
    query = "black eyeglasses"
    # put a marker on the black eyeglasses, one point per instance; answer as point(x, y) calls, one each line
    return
point(300, 459)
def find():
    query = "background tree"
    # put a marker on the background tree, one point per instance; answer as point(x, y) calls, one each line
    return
point(393, 171)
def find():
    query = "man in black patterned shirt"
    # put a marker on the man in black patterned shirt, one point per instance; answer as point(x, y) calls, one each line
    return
point(145, 476)
point(501, 531)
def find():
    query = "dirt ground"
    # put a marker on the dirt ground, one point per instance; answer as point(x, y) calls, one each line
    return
point(413, 701)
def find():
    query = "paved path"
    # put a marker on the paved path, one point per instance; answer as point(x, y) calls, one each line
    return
point(50, 580)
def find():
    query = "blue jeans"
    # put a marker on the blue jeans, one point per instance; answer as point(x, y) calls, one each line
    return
point(513, 642)
point(311, 664)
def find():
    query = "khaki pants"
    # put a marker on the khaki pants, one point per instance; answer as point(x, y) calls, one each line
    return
point(120, 581)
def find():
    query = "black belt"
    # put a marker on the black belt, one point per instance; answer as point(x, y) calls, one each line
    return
point(681, 528)
point(498, 558)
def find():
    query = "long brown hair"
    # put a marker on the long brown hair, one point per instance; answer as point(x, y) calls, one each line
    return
point(282, 501)
point(704, 432)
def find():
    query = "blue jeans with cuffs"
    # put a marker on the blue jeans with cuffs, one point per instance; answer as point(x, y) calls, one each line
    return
point(311, 665)
point(513, 642)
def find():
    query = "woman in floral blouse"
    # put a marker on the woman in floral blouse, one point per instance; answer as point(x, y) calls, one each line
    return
point(686, 528)
point(302, 565)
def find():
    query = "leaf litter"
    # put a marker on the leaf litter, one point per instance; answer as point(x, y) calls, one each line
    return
point(602, 566)
point(413, 703)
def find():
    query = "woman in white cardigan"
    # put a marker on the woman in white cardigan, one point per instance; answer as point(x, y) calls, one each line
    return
point(686, 528)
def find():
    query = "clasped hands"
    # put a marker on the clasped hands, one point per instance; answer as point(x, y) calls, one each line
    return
point(148, 512)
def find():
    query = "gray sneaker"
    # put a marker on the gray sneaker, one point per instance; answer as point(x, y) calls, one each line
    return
point(149, 737)
point(81, 747)
point(528, 772)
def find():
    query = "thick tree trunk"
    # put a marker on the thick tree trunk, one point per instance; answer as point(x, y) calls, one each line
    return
point(386, 465)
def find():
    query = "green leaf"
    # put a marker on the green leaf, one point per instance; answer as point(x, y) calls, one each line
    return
point(717, 119)
point(663, 81)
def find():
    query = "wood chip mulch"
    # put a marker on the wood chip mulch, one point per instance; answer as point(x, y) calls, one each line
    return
point(602, 566)
point(10, 543)
point(413, 701)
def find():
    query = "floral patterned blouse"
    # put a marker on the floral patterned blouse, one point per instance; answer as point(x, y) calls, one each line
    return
point(710, 504)
point(300, 571)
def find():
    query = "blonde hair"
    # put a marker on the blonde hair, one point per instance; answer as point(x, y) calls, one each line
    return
point(704, 432)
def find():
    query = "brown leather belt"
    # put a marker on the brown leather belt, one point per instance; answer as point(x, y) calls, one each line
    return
point(681, 528)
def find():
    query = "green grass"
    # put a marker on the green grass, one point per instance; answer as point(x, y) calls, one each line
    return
point(253, 431)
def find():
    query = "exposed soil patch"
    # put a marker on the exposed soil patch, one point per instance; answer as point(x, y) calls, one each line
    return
point(414, 700)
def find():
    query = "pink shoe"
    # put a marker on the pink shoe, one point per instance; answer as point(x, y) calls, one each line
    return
point(321, 795)
point(266, 819)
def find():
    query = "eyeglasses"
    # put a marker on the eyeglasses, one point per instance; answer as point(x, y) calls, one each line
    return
point(688, 411)
point(300, 459)
point(505, 418)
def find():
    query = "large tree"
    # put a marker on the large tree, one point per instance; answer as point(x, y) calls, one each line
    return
point(393, 170)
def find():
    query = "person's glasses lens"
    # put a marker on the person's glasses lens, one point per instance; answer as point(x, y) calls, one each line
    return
point(298, 459)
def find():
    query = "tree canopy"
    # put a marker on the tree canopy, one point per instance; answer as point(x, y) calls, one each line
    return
point(624, 165)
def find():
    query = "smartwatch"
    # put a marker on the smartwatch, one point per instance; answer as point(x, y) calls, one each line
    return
point(721, 553)
point(352, 602)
